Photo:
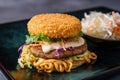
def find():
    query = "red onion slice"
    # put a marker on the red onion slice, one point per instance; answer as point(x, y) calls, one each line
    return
point(62, 49)
point(57, 53)
point(71, 48)
point(20, 48)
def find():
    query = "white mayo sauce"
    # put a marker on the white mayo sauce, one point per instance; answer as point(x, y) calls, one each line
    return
point(57, 45)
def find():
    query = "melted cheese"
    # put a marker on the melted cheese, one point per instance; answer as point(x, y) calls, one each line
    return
point(57, 45)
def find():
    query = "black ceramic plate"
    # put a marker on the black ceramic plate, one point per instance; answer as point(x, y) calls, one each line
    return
point(12, 35)
point(103, 42)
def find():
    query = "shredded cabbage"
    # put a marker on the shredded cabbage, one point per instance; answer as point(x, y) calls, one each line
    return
point(78, 57)
point(100, 25)
point(25, 59)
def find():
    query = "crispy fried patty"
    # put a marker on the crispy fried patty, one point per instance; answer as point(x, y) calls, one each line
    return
point(55, 25)
point(37, 51)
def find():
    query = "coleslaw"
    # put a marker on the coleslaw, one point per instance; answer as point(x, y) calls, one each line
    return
point(102, 25)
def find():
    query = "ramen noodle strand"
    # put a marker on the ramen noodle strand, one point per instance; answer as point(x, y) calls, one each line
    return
point(87, 58)
point(56, 66)
point(51, 65)
point(61, 68)
point(39, 62)
point(92, 56)
point(69, 64)
point(48, 67)
point(65, 65)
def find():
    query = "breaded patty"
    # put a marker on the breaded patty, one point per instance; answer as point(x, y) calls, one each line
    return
point(55, 25)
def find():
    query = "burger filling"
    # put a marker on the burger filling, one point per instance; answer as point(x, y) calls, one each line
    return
point(27, 59)
point(49, 55)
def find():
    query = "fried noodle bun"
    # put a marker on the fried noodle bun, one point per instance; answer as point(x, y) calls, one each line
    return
point(55, 25)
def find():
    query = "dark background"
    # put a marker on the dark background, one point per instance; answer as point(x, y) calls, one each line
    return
point(12, 10)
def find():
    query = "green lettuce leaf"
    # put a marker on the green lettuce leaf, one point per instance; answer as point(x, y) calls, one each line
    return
point(80, 33)
point(33, 38)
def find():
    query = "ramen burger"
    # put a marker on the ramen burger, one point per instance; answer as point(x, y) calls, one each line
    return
point(54, 43)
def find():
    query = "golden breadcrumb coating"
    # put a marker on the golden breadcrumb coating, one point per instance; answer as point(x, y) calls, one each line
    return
point(55, 25)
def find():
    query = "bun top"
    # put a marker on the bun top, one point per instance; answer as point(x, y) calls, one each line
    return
point(54, 25)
